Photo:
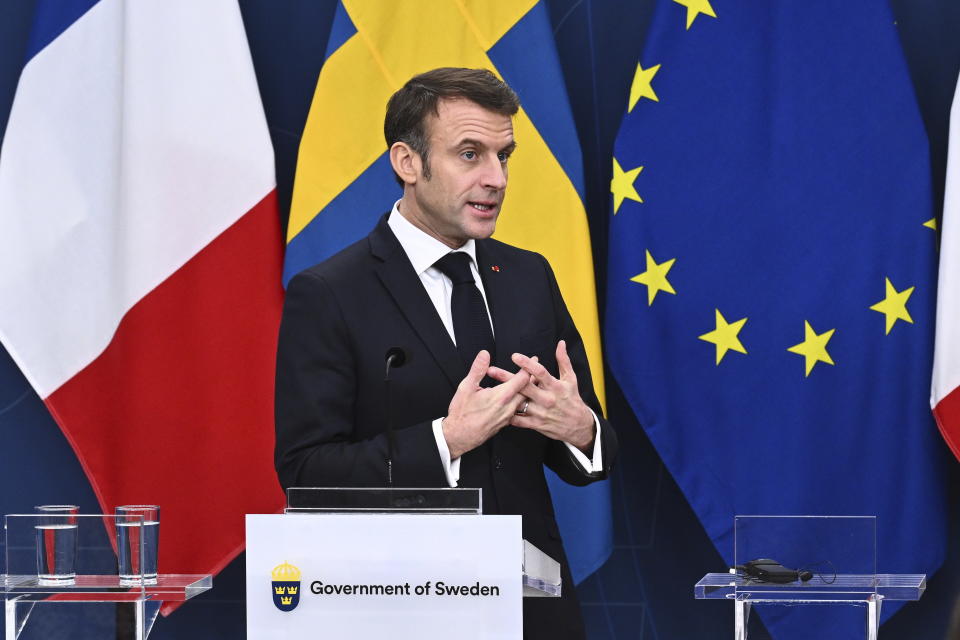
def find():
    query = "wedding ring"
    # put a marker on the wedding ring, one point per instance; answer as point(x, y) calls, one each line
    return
point(523, 409)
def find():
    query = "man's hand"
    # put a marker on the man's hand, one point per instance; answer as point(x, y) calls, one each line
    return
point(476, 414)
point(555, 409)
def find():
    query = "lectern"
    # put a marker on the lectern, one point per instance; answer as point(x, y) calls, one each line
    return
point(398, 563)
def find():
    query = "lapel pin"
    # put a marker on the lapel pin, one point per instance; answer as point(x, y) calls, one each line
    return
point(495, 268)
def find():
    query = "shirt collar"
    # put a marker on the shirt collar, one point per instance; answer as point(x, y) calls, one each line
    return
point(421, 248)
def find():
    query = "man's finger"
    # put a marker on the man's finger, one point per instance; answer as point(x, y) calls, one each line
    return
point(498, 374)
point(530, 391)
point(478, 369)
point(535, 369)
point(537, 395)
point(520, 421)
point(563, 362)
point(527, 422)
point(518, 381)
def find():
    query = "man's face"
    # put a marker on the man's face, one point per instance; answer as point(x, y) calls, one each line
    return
point(469, 148)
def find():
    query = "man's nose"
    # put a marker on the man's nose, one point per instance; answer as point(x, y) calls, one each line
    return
point(494, 174)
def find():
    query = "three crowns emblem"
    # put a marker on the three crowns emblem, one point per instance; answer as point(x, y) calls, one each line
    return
point(286, 586)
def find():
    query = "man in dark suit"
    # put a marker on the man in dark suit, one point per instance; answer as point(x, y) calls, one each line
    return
point(497, 382)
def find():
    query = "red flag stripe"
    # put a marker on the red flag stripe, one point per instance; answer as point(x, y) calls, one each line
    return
point(178, 410)
point(947, 414)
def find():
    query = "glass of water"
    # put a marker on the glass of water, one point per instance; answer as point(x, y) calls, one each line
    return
point(136, 523)
point(57, 537)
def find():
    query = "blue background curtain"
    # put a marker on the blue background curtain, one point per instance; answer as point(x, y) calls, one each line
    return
point(645, 590)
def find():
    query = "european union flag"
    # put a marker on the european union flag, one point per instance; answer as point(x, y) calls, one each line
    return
point(344, 181)
point(772, 274)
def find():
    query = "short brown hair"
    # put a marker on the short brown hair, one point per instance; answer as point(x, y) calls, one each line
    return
point(408, 108)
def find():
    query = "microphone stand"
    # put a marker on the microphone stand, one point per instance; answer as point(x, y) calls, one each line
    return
point(395, 357)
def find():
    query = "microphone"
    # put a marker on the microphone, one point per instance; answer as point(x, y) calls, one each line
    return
point(394, 358)
point(767, 570)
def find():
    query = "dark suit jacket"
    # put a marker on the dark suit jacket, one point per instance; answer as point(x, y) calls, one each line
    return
point(340, 318)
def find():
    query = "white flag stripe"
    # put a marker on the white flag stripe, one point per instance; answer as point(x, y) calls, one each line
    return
point(946, 358)
point(93, 217)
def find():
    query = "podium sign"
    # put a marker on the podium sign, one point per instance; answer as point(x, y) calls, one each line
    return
point(384, 576)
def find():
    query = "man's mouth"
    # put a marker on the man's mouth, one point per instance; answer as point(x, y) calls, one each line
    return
point(483, 206)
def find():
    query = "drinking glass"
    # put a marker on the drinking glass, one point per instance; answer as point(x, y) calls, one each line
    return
point(136, 523)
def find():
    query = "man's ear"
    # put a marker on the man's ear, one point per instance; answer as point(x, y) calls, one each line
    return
point(406, 162)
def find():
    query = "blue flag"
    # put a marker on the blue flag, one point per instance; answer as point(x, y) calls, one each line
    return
point(772, 274)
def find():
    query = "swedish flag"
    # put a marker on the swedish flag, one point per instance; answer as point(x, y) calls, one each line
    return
point(344, 182)
point(771, 274)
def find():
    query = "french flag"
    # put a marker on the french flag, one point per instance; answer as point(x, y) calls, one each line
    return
point(140, 260)
point(945, 392)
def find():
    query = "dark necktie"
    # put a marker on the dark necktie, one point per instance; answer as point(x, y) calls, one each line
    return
point(471, 324)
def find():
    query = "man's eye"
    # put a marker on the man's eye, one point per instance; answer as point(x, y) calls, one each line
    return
point(503, 156)
point(469, 155)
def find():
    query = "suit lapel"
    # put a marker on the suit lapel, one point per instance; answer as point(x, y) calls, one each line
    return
point(401, 281)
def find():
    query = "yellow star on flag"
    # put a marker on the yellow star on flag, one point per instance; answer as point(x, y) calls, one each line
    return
point(695, 8)
point(725, 336)
point(641, 87)
point(931, 224)
point(894, 305)
point(621, 186)
point(814, 347)
point(655, 278)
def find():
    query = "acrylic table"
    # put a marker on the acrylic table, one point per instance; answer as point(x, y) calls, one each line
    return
point(23, 593)
point(870, 590)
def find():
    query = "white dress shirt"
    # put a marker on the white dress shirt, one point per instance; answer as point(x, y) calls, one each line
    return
point(423, 251)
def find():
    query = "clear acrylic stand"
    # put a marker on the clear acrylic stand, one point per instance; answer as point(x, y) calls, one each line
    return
point(835, 557)
point(35, 605)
